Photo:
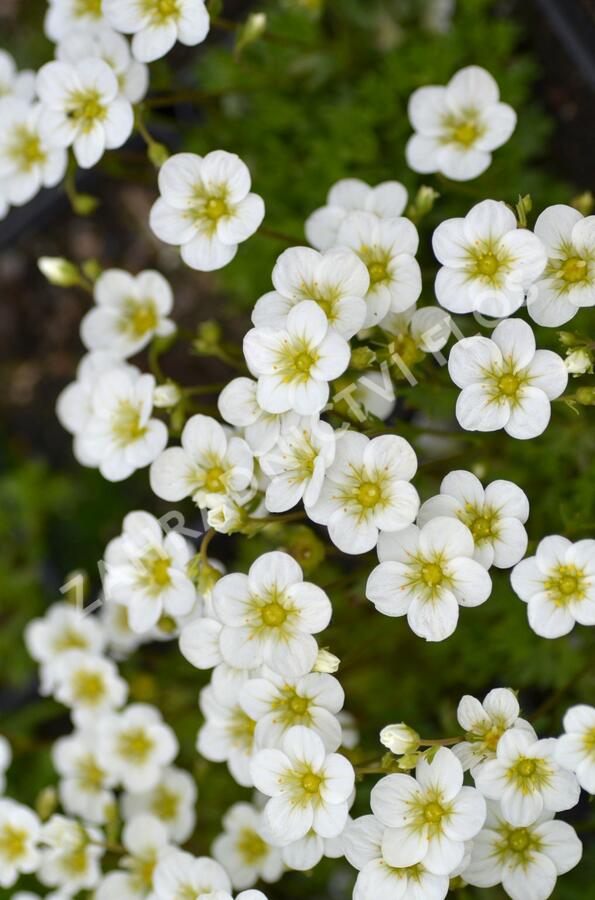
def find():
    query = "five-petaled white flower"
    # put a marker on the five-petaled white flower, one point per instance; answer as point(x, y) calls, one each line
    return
point(525, 777)
point(488, 263)
point(206, 207)
point(417, 331)
point(362, 845)
point(297, 463)
point(145, 839)
point(238, 405)
point(209, 466)
point(158, 24)
point(458, 126)
point(62, 628)
point(172, 801)
point(428, 818)
point(135, 745)
point(228, 731)
point(485, 723)
point(386, 201)
point(367, 490)
point(70, 855)
point(88, 684)
point(147, 572)
point(568, 283)
point(82, 106)
point(575, 749)
point(243, 850)
point(19, 835)
point(308, 787)
point(295, 364)
point(113, 48)
point(270, 616)
point(558, 585)
point(506, 383)
point(279, 703)
point(388, 248)
point(63, 16)
point(29, 158)
point(85, 787)
point(494, 515)
point(426, 574)
point(525, 860)
point(179, 875)
point(130, 310)
point(336, 280)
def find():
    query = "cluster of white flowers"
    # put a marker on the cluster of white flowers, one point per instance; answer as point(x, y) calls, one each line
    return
point(430, 828)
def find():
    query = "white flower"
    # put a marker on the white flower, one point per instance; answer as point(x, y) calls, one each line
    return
point(458, 126)
point(485, 723)
point(308, 787)
point(495, 516)
point(372, 394)
point(130, 311)
point(367, 489)
point(270, 616)
point(506, 382)
point(29, 158)
point(525, 860)
point(146, 840)
point(210, 466)
point(74, 407)
point(238, 405)
point(89, 685)
point(362, 845)
point(158, 24)
point(294, 364)
point(399, 738)
point(65, 15)
point(242, 849)
point(206, 207)
point(579, 362)
point(19, 834)
point(63, 628)
point(15, 84)
point(428, 818)
point(558, 585)
point(297, 464)
point(388, 248)
point(103, 43)
point(526, 779)
point(135, 745)
point(147, 571)
point(85, 784)
point(427, 573)
point(487, 262)
point(426, 329)
point(119, 434)
point(568, 283)
point(5, 760)
point(386, 201)
point(336, 280)
point(279, 703)
point(172, 801)
point(575, 749)
point(82, 107)
point(121, 640)
point(180, 875)
point(228, 732)
point(70, 858)
point(305, 853)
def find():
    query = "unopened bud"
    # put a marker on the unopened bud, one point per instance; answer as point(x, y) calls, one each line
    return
point(579, 362)
point(584, 203)
point(568, 339)
point(167, 625)
point(423, 203)
point(362, 358)
point(84, 204)
point(46, 802)
point(585, 396)
point(167, 395)
point(226, 518)
point(252, 29)
point(524, 205)
point(208, 338)
point(326, 662)
point(399, 738)
point(59, 271)
point(91, 269)
point(408, 761)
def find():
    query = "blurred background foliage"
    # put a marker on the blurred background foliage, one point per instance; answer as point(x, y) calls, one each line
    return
point(320, 96)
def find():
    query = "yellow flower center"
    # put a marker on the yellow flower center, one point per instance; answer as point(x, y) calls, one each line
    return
point(160, 571)
point(303, 362)
point(466, 134)
point(13, 842)
point(126, 426)
point(433, 812)
point(273, 615)
point(509, 385)
point(86, 107)
point(88, 8)
point(135, 745)
point(526, 768)
point(368, 494)
point(311, 783)
point(432, 574)
point(165, 804)
point(213, 479)
point(142, 319)
point(574, 269)
point(26, 150)
point(251, 846)
point(481, 527)
point(519, 839)
point(69, 639)
point(589, 741)
point(299, 705)
point(492, 737)
point(377, 272)
point(215, 208)
point(88, 687)
point(488, 264)
point(90, 775)
point(566, 585)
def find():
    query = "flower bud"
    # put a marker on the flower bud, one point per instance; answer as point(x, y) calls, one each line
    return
point(362, 358)
point(46, 802)
point(209, 335)
point(252, 29)
point(584, 203)
point(579, 362)
point(585, 396)
point(226, 518)
point(167, 395)
point(568, 339)
point(326, 662)
point(59, 271)
point(423, 203)
point(399, 738)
